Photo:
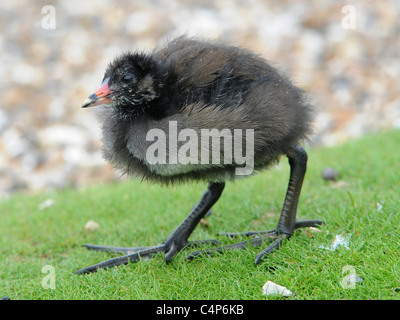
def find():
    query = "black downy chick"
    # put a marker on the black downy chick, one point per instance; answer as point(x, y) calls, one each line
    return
point(197, 85)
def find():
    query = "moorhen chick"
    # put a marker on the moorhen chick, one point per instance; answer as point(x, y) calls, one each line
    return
point(167, 112)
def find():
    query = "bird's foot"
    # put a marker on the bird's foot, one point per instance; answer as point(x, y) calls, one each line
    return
point(170, 248)
point(174, 243)
point(261, 236)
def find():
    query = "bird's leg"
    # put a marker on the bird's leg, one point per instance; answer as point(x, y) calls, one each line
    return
point(287, 222)
point(178, 238)
point(174, 243)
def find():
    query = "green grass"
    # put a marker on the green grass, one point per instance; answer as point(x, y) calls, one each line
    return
point(134, 213)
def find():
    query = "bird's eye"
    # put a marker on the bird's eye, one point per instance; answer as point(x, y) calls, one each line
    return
point(128, 78)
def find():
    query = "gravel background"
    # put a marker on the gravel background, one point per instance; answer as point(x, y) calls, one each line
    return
point(350, 67)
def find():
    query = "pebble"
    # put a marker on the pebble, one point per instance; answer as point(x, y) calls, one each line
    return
point(330, 174)
point(46, 204)
point(91, 226)
point(272, 289)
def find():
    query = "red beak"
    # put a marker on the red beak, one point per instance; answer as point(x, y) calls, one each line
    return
point(101, 96)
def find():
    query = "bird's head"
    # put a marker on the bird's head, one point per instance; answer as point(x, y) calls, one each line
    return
point(131, 84)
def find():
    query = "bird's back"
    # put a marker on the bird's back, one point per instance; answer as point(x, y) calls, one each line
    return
point(212, 73)
point(255, 94)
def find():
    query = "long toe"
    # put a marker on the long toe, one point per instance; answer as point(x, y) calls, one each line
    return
point(198, 243)
point(307, 223)
point(271, 248)
point(136, 253)
point(239, 245)
point(113, 249)
point(148, 252)
point(233, 235)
